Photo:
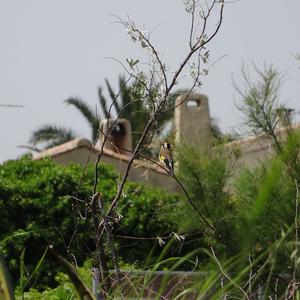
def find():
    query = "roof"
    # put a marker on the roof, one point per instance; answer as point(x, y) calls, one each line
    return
point(85, 143)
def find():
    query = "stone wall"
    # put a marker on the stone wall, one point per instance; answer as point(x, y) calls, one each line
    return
point(192, 121)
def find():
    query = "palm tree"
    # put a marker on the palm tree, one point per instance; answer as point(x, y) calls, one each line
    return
point(88, 113)
point(126, 104)
point(50, 135)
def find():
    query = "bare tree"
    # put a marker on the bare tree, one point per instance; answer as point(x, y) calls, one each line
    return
point(206, 19)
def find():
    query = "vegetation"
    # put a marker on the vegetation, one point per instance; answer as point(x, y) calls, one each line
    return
point(205, 178)
point(156, 83)
point(6, 287)
point(37, 210)
point(248, 243)
point(253, 212)
point(240, 229)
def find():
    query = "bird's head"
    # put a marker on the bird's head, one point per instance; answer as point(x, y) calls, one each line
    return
point(166, 146)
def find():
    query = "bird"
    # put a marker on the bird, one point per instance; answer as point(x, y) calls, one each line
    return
point(166, 157)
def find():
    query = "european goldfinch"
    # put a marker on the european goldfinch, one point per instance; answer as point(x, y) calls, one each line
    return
point(166, 157)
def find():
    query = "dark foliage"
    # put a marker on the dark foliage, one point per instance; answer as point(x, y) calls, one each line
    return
point(36, 211)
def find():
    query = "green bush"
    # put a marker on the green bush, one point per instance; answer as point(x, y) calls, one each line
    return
point(265, 204)
point(204, 177)
point(251, 211)
point(36, 211)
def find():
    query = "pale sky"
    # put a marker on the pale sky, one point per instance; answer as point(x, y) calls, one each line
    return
point(53, 49)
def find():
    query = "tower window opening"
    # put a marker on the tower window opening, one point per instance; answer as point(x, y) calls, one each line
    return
point(193, 103)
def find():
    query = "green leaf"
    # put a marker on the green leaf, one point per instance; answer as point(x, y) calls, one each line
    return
point(6, 290)
point(22, 271)
point(37, 267)
point(82, 290)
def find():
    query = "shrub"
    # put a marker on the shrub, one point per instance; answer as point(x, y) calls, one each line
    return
point(252, 212)
point(204, 177)
point(36, 211)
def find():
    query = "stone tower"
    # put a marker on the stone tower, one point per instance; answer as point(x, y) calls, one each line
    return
point(192, 121)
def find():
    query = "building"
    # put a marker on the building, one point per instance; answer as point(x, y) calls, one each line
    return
point(192, 125)
point(82, 151)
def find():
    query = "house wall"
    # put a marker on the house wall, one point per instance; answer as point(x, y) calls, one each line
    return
point(252, 151)
point(255, 150)
point(138, 173)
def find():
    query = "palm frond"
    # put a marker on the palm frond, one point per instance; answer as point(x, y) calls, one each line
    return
point(52, 134)
point(103, 103)
point(31, 148)
point(90, 116)
point(84, 108)
point(113, 96)
point(125, 91)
